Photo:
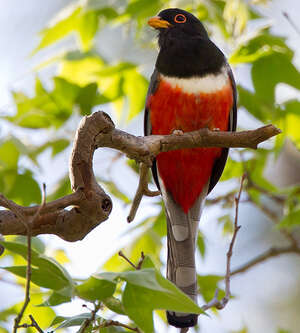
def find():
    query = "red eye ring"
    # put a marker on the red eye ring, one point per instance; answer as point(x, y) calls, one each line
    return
point(180, 18)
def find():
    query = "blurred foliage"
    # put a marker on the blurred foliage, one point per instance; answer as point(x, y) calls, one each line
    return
point(86, 79)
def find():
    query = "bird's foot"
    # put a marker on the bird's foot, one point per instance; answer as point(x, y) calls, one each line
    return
point(216, 129)
point(177, 132)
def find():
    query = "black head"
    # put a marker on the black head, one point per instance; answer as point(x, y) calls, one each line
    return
point(185, 48)
point(180, 23)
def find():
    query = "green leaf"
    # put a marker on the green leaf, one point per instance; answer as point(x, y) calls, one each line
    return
point(115, 191)
point(46, 272)
point(236, 15)
point(65, 22)
point(201, 244)
point(291, 220)
point(148, 263)
point(81, 68)
point(43, 315)
point(57, 147)
point(117, 69)
point(5, 314)
point(147, 290)
point(233, 169)
point(9, 154)
point(96, 288)
point(36, 243)
point(291, 115)
point(87, 28)
point(207, 285)
point(260, 45)
point(62, 188)
point(142, 9)
point(71, 321)
point(59, 297)
point(148, 242)
point(25, 190)
point(135, 87)
point(87, 98)
point(41, 278)
point(160, 225)
point(255, 104)
point(144, 278)
point(226, 220)
point(64, 93)
point(114, 305)
point(45, 109)
point(138, 312)
point(133, 165)
point(267, 72)
point(113, 329)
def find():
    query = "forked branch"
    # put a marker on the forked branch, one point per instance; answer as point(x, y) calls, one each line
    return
point(90, 205)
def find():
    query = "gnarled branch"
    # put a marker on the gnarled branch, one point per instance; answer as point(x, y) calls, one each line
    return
point(90, 204)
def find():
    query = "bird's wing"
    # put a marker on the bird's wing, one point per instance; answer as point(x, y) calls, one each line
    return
point(154, 82)
point(221, 161)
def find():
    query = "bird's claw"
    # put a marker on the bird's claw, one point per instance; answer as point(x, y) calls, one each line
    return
point(177, 132)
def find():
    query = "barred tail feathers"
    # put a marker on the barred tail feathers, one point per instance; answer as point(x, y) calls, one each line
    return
point(181, 269)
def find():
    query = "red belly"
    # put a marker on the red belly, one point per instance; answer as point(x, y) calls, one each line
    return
point(185, 172)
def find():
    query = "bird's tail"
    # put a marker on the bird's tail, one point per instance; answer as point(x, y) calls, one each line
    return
point(181, 271)
point(181, 268)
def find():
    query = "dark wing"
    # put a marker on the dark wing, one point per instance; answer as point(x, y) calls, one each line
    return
point(221, 161)
point(154, 82)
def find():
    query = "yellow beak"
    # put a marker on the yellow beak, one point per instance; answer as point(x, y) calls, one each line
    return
point(157, 23)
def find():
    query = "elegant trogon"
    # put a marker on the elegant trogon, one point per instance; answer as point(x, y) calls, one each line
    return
point(192, 87)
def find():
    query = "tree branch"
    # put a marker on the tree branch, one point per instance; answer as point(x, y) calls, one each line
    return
point(272, 252)
point(215, 302)
point(91, 205)
point(141, 191)
point(108, 323)
point(140, 263)
point(89, 321)
point(28, 224)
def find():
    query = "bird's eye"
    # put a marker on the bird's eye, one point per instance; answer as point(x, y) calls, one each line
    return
point(180, 18)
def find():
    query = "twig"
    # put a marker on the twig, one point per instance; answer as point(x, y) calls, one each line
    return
point(279, 199)
point(88, 321)
point(140, 263)
point(141, 190)
point(28, 280)
point(227, 198)
point(16, 209)
point(292, 23)
point(276, 197)
point(28, 268)
point(275, 219)
point(33, 324)
point(229, 253)
point(220, 304)
point(272, 252)
point(117, 323)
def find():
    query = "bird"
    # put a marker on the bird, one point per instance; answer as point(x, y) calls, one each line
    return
point(192, 87)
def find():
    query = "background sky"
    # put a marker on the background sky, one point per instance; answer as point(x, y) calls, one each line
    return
point(267, 296)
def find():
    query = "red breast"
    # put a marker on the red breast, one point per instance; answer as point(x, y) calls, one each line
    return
point(182, 105)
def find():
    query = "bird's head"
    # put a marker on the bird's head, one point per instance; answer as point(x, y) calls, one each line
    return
point(185, 48)
point(175, 22)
